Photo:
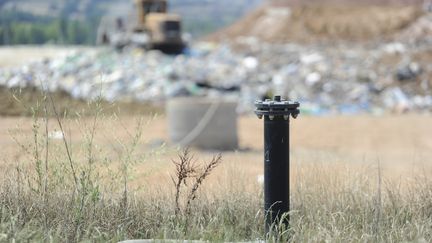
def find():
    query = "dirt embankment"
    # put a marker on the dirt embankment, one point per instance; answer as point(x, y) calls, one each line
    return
point(31, 101)
point(281, 22)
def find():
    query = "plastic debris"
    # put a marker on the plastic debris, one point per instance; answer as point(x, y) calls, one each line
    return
point(325, 79)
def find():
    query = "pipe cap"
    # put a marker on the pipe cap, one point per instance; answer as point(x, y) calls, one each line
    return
point(278, 107)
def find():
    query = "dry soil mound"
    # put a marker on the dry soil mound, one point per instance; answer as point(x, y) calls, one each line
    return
point(278, 22)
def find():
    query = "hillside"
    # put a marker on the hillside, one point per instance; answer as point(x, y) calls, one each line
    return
point(200, 16)
point(282, 21)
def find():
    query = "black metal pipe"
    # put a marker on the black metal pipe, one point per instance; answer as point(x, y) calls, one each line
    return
point(276, 168)
point(276, 115)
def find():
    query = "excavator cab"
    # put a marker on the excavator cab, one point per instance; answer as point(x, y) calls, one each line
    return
point(149, 26)
point(163, 28)
point(147, 7)
point(153, 6)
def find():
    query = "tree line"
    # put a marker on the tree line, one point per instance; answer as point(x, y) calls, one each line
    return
point(24, 28)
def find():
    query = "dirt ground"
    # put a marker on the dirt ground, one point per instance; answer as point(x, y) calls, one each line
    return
point(401, 145)
point(18, 55)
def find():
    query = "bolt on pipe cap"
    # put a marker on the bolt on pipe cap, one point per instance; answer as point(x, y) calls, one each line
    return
point(278, 107)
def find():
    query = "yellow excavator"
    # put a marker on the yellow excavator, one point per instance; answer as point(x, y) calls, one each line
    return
point(149, 25)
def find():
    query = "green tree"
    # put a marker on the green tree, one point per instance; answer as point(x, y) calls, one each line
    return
point(62, 29)
point(52, 32)
point(37, 34)
point(25, 28)
point(20, 34)
point(1, 35)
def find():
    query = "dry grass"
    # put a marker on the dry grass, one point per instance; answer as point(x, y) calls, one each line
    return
point(341, 205)
point(124, 190)
point(19, 102)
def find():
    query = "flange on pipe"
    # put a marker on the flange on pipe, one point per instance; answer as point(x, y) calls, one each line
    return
point(277, 107)
point(276, 114)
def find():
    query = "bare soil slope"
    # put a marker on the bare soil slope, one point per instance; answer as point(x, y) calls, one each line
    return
point(281, 22)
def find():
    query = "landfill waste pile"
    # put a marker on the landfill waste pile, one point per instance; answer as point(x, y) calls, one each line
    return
point(420, 30)
point(326, 79)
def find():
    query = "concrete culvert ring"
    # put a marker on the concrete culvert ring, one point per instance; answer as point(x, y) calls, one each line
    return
point(203, 122)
